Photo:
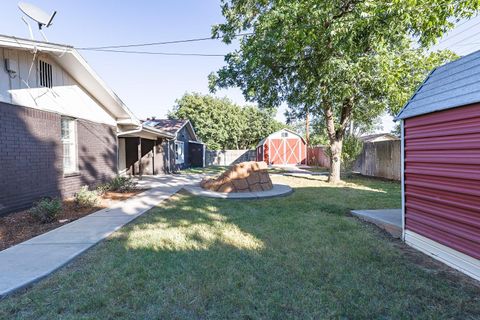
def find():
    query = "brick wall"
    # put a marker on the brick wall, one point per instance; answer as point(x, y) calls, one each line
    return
point(31, 156)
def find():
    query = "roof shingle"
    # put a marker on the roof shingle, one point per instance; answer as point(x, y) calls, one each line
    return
point(452, 85)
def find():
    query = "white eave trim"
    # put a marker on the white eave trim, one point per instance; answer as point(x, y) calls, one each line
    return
point(145, 132)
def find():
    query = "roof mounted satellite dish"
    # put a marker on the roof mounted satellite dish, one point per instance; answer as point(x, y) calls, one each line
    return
point(38, 15)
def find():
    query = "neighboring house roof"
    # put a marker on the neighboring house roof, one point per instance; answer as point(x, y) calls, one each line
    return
point(276, 133)
point(378, 137)
point(449, 86)
point(172, 126)
point(72, 62)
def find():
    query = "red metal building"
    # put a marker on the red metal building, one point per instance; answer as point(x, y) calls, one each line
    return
point(283, 147)
point(441, 166)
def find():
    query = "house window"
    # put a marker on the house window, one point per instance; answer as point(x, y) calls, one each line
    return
point(69, 141)
point(45, 74)
point(179, 152)
point(284, 134)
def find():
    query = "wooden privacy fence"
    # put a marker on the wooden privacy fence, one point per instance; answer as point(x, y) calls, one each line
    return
point(228, 157)
point(317, 156)
point(380, 159)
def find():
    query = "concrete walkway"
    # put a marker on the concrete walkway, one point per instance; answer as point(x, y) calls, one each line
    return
point(29, 261)
point(388, 219)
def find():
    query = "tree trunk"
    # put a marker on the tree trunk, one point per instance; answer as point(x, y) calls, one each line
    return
point(307, 128)
point(335, 136)
point(335, 160)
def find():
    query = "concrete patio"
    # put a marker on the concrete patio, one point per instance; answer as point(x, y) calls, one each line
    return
point(388, 219)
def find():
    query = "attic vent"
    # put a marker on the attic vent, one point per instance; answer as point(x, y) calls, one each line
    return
point(45, 74)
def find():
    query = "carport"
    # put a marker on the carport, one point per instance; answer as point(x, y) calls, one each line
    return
point(142, 152)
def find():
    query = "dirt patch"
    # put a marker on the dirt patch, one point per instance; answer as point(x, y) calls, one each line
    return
point(21, 226)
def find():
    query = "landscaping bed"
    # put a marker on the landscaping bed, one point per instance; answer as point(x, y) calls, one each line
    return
point(21, 226)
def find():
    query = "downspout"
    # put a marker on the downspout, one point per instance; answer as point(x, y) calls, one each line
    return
point(168, 157)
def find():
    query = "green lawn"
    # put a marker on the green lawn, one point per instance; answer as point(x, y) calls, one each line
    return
point(301, 256)
point(213, 170)
point(206, 170)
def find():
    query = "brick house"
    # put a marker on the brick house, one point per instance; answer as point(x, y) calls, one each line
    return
point(59, 123)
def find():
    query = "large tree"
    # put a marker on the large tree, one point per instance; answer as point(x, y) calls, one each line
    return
point(221, 124)
point(341, 59)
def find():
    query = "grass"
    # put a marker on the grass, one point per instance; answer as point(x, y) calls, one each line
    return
point(214, 170)
point(301, 256)
point(317, 169)
point(206, 170)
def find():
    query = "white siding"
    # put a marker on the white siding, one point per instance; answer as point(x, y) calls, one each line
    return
point(66, 96)
point(4, 80)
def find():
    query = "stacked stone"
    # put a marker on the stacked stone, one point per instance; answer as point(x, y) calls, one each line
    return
point(243, 177)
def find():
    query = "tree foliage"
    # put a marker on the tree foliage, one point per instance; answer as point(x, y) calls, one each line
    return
point(221, 124)
point(343, 60)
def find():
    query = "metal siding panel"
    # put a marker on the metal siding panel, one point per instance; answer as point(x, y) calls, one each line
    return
point(442, 178)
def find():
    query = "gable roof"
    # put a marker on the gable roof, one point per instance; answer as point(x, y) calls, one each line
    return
point(276, 132)
point(451, 85)
point(172, 126)
point(72, 62)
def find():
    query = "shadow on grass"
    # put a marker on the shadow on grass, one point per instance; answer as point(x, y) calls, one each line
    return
point(298, 257)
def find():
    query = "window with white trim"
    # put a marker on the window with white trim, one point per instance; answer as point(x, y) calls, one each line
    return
point(45, 74)
point(284, 134)
point(179, 152)
point(69, 142)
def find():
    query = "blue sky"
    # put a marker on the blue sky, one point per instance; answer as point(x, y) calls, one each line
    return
point(149, 85)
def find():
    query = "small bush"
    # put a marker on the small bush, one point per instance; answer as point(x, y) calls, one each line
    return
point(122, 184)
point(46, 210)
point(102, 189)
point(352, 147)
point(86, 198)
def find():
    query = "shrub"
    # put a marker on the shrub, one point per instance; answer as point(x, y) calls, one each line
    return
point(86, 198)
point(46, 210)
point(102, 188)
point(122, 184)
point(352, 147)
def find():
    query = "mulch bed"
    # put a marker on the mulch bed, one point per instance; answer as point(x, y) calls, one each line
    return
point(21, 226)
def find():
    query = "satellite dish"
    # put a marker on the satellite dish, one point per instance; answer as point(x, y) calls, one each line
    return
point(38, 15)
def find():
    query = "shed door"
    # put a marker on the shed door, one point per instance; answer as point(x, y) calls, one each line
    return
point(277, 151)
point(442, 178)
point(195, 154)
point(293, 153)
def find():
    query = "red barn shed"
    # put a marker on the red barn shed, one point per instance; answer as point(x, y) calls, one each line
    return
point(283, 147)
point(441, 165)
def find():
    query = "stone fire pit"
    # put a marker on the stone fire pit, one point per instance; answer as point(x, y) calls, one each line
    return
point(243, 177)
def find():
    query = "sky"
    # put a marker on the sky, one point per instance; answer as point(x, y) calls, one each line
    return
point(149, 85)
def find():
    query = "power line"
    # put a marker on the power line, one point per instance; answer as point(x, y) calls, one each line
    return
point(158, 53)
point(159, 43)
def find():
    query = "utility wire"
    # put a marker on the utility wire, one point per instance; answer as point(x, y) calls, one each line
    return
point(159, 43)
point(162, 53)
